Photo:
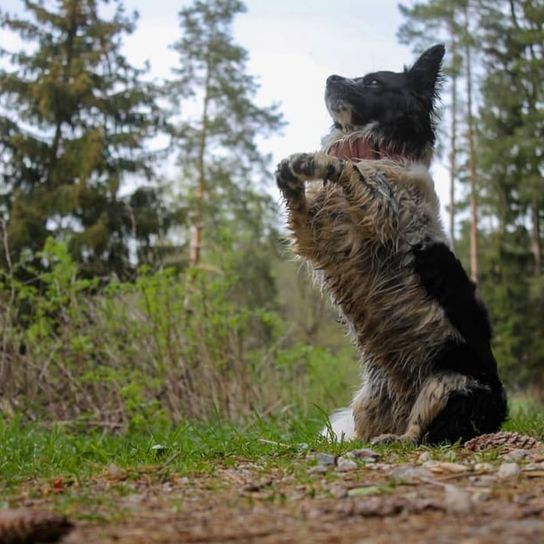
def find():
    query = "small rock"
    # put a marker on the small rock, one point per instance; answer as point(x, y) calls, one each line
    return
point(347, 455)
point(366, 454)
point(325, 459)
point(444, 467)
point(508, 471)
point(529, 528)
point(346, 465)
point(482, 481)
point(385, 467)
point(318, 469)
point(338, 491)
point(424, 457)
point(481, 495)
point(296, 496)
point(530, 467)
point(135, 498)
point(457, 500)
point(484, 467)
point(314, 513)
point(516, 455)
point(410, 474)
point(116, 473)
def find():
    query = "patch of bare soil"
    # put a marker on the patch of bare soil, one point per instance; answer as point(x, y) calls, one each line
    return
point(355, 499)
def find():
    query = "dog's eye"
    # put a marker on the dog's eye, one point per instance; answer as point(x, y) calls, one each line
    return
point(372, 82)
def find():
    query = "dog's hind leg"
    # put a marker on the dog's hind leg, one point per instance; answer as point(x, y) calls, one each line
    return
point(432, 399)
point(372, 410)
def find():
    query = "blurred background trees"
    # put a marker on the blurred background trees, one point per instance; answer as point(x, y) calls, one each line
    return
point(223, 176)
point(503, 184)
point(129, 296)
point(75, 118)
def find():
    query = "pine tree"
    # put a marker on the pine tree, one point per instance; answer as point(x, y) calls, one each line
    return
point(216, 136)
point(74, 117)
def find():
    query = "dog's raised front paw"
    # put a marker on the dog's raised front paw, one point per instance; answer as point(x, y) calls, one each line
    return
point(295, 170)
point(290, 185)
point(308, 166)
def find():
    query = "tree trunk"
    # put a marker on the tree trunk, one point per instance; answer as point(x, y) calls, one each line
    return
point(453, 159)
point(536, 246)
point(474, 250)
point(453, 129)
point(197, 226)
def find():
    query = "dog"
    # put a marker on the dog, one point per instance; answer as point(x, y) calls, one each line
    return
point(364, 213)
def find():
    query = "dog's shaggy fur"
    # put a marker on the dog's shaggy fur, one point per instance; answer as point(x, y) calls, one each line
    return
point(365, 214)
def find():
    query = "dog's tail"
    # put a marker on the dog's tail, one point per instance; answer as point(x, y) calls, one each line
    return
point(341, 426)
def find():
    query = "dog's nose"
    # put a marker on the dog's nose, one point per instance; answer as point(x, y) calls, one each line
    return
point(334, 79)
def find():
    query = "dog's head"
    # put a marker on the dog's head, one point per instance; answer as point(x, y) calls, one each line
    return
point(395, 107)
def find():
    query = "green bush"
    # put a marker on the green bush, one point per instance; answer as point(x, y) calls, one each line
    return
point(168, 347)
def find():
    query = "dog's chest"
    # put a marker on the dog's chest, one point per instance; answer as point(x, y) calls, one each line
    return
point(371, 278)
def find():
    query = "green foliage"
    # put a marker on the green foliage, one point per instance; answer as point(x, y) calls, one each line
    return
point(127, 350)
point(167, 347)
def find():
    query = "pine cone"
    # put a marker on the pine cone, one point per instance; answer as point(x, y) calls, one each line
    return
point(28, 526)
point(507, 441)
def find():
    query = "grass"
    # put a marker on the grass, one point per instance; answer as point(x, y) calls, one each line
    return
point(28, 451)
point(33, 459)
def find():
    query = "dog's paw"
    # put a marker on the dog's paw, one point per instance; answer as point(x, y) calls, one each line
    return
point(292, 172)
point(301, 167)
point(286, 179)
point(290, 185)
point(385, 439)
point(392, 439)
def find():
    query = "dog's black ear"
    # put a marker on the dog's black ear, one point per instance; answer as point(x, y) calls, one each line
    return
point(425, 73)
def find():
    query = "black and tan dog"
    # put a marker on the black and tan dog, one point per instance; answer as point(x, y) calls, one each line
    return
point(365, 214)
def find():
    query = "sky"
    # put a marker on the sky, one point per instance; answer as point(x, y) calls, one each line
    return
point(293, 46)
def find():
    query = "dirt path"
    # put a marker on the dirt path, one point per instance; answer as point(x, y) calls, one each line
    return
point(377, 502)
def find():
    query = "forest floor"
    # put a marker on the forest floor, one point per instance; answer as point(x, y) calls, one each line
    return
point(251, 487)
